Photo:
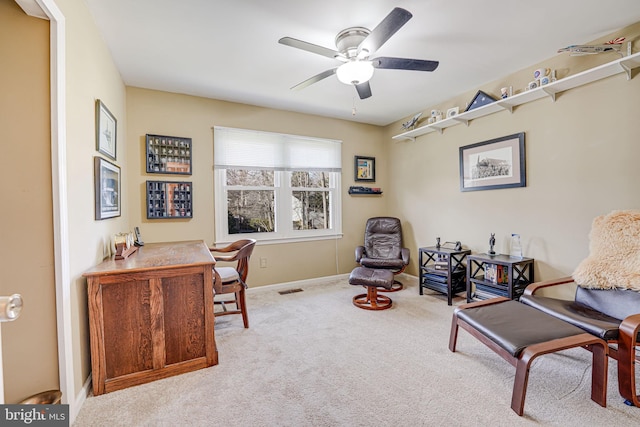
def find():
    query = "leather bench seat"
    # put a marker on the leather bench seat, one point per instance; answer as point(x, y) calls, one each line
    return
point(514, 326)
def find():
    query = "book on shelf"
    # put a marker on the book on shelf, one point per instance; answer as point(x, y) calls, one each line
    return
point(493, 292)
point(435, 278)
point(498, 274)
point(433, 270)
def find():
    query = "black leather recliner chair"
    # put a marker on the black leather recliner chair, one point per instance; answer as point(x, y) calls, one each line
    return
point(382, 247)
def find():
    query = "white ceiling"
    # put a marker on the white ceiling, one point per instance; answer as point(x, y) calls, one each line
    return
point(229, 50)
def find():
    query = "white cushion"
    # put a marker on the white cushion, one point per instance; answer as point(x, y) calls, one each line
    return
point(228, 274)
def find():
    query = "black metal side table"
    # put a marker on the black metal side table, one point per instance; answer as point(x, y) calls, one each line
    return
point(497, 275)
point(442, 270)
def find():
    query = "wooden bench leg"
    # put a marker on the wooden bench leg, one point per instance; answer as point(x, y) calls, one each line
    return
point(599, 367)
point(453, 336)
point(627, 363)
point(599, 373)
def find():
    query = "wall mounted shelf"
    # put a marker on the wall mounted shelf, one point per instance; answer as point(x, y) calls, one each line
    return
point(622, 65)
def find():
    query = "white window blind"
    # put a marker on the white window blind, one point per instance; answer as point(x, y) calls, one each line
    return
point(248, 149)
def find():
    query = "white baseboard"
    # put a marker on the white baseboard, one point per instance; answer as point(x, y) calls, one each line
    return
point(81, 398)
point(304, 282)
point(295, 283)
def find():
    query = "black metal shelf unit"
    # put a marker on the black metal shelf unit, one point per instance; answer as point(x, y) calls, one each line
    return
point(443, 270)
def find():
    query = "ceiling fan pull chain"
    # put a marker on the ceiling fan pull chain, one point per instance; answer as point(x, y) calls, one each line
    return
point(353, 109)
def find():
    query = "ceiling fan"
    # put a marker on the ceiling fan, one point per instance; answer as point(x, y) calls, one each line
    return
point(355, 45)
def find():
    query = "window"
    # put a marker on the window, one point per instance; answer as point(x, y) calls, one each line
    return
point(276, 186)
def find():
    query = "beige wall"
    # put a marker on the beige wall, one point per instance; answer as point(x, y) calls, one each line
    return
point(581, 154)
point(26, 232)
point(187, 116)
point(581, 161)
point(91, 75)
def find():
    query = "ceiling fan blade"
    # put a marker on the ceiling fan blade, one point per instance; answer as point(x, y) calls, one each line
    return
point(385, 29)
point(310, 47)
point(404, 64)
point(364, 90)
point(314, 79)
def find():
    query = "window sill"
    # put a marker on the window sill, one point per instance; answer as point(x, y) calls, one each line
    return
point(277, 241)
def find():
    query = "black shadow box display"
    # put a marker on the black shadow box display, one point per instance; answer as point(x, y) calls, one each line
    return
point(168, 154)
point(166, 199)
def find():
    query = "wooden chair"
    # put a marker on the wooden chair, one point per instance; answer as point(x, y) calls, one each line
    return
point(233, 280)
point(610, 314)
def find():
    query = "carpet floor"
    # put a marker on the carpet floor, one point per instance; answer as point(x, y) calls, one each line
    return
point(311, 358)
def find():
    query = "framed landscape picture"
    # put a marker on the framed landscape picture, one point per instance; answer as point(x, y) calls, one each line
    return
point(493, 164)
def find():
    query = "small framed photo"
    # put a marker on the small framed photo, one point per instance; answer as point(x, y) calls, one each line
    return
point(479, 100)
point(106, 131)
point(365, 168)
point(107, 188)
point(451, 112)
point(493, 164)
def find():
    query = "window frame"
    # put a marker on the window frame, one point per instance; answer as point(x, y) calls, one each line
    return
point(284, 232)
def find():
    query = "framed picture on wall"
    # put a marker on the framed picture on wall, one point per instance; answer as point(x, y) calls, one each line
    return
point(493, 164)
point(168, 154)
point(106, 131)
point(107, 189)
point(365, 168)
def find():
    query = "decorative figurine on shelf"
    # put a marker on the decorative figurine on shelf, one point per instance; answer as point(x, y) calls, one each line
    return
point(458, 246)
point(438, 242)
point(492, 242)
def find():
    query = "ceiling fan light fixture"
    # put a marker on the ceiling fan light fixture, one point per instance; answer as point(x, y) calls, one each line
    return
point(355, 72)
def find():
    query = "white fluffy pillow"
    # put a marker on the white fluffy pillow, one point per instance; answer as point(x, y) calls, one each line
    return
point(614, 253)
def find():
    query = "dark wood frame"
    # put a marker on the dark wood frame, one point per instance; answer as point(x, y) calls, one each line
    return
point(481, 98)
point(103, 117)
point(371, 162)
point(162, 204)
point(160, 149)
point(518, 176)
point(100, 189)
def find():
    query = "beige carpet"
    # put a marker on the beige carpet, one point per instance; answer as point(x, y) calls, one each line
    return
point(313, 359)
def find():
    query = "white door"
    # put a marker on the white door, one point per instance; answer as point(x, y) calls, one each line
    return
point(10, 308)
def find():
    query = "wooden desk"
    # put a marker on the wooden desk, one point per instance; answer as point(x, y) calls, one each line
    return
point(151, 315)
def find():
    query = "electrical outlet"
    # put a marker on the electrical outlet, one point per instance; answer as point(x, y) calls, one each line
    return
point(263, 263)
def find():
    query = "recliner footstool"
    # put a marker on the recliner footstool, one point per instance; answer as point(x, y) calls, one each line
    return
point(372, 279)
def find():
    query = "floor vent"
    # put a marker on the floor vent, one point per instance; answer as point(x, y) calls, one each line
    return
point(290, 291)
